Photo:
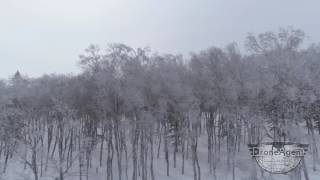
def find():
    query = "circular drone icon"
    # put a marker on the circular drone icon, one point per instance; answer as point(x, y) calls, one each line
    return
point(278, 157)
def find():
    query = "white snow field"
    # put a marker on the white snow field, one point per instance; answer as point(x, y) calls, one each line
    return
point(243, 171)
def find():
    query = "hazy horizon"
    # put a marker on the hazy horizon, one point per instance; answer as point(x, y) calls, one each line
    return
point(40, 37)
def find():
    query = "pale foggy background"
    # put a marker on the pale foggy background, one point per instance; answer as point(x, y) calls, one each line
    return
point(42, 36)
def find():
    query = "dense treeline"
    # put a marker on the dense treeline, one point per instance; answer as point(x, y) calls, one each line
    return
point(129, 106)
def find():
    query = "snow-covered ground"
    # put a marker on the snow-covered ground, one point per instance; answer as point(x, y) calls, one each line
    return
point(244, 165)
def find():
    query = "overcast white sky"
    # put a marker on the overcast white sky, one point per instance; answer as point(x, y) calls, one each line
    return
point(46, 36)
